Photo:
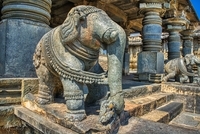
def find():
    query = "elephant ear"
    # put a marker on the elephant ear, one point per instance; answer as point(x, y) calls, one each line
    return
point(69, 28)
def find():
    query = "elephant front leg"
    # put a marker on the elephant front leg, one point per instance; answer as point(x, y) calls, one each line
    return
point(183, 78)
point(74, 97)
point(168, 76)
point(96, 92)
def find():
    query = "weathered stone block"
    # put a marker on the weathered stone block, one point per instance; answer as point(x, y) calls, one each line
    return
point(132, 108)
point(29, 85)
point(150, 62)
point(173, 108)
point(7, 117)
point(18, 41)
point(157, 116)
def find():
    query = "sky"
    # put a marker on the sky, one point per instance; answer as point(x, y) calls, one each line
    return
point(196, 6)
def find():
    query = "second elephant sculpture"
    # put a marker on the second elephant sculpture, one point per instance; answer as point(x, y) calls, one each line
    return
point(66, 58)
point(181, 67)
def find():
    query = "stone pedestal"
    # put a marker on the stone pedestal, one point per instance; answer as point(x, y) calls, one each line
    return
point(23, 24)
point(149, 64)
point(151, 60)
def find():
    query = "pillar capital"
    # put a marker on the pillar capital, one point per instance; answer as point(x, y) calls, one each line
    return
point(189, 31)
point(151, 6)
point(178, 22)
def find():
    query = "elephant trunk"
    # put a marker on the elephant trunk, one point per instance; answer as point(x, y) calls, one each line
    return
point(183, 68)
point(115, 61)
point(197, 61)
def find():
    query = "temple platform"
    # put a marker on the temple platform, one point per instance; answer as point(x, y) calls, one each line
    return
point(166, 108)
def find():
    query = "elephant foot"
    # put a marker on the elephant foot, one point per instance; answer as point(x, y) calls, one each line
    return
point(44, 95)
point(164, 79)
point(107, 112)
point(75, 116)
point(41, 101)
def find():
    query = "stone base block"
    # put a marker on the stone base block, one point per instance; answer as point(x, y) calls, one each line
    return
point(56, 113)
point(18, 41)
point(150, 62)
point(150, 66)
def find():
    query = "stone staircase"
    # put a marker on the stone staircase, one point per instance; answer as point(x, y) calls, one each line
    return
point(173, 104)
point(157, 107)
point(150, 108)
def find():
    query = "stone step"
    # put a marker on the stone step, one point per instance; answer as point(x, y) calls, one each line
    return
point(143, 105)
point(187, 120)
point(140, 126)
point(165, 113)
point(40, 122)
point(13, 89)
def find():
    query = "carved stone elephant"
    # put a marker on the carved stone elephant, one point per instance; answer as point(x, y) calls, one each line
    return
point(181, 67)
point(66, 58)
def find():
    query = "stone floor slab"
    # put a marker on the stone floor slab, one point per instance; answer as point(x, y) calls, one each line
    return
point(141, 126)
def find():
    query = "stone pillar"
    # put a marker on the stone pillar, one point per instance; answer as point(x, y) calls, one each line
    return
point(126, 60)
point(175, 25)
point(150, 63)
point(23, 23)
point(187, 41)
point(135, 46)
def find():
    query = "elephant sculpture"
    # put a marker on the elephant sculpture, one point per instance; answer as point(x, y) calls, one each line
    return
point(66, 58)
point(181, 67)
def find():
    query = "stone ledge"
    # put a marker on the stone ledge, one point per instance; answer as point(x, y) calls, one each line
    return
point(142, 105)
point(187, 120)
point(7, 117)
point(56, 113)
point(157, 116)
point(39, 122)
point(138, 91)
point(141, 126)
point(165, 113)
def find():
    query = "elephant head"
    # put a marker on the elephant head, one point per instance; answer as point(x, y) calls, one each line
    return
point(191, 59)
point(186, 64)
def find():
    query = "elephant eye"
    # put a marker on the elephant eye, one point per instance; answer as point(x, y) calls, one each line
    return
point(94, 17)
point(82, 18)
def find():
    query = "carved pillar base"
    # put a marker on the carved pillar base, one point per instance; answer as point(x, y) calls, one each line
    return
point(150, 66)
point(23, 24)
